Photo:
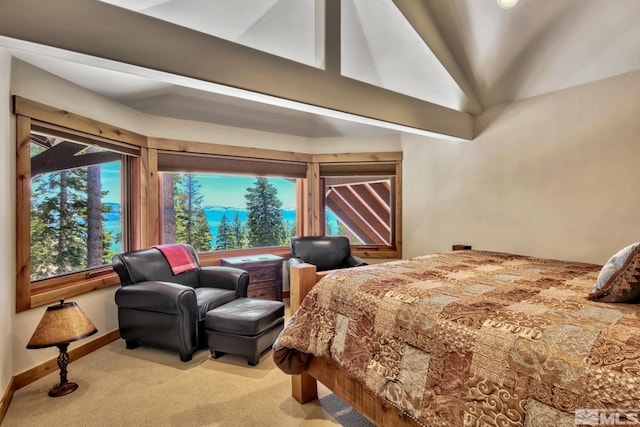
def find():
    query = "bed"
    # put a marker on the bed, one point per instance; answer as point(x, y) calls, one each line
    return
point(465, 338)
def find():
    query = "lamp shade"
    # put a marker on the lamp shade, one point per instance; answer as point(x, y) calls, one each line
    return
point(61, 323)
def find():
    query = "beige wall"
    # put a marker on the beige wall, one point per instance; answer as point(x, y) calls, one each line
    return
point(356, 144)
point(7, 225)
point(553, 176)
point(34, 83)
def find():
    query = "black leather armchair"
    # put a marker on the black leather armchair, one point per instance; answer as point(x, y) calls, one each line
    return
point(160, 309)
point(325, 252)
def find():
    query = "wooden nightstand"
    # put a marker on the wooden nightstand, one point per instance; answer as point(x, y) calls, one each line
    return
point(461, 247)
point(265, 274)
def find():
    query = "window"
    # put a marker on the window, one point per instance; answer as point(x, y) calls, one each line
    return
point(362, 199)
point(74, 204)
point(218, 202)
point(215, 212)
point(86, 190)
point(76, 216)
point(359, 207)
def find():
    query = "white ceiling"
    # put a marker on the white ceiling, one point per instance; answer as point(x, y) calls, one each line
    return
point(413, 47)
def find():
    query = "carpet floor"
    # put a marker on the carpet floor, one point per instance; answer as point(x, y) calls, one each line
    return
point(150, 387)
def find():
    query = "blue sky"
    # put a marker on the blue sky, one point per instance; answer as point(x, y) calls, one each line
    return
point(229, 190)
point(217, 190)
point(111, 181)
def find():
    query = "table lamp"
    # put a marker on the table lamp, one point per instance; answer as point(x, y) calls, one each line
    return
point(61, 324)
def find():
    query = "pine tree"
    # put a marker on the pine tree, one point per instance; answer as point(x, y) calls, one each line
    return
point(67, 222)
point(168, 207)
point(108, 238)
point(59, 226)
point(291, 231)
point(95, 235)
point(99, 239)
point(202, 237)
point(225, 237)
point(239, 232)
point(344, 231)
point(264, 223)
point(191, 222)
point(328, 228)
point(42, 247)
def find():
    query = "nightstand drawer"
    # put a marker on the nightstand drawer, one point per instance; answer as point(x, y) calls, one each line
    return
point(267, 291)
point(265, 274)
point(262, 273)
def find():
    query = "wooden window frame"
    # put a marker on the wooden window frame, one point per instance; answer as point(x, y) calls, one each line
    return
point(364, 161)
point(189, 149)
point(30, 114)
point(144, 195)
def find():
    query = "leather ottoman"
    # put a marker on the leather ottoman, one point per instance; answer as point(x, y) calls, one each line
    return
point(244, 326)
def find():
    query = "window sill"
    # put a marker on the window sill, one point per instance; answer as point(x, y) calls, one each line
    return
point(213, 258)
point(381, 252)
point(71, 288)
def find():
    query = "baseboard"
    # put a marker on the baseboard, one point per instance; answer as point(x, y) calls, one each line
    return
point(27, 377)
point(30, 375)
point(6, 399)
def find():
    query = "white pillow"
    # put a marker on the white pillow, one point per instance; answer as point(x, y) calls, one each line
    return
point(619, 279)
point(612, 266)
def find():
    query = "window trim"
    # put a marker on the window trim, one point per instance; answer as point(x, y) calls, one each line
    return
point(367, 162)
point(30, 115)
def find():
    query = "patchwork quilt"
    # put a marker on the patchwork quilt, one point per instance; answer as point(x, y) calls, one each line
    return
point(472, 338)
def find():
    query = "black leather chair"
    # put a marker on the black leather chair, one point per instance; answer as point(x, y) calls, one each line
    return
point(325, 252)
point(159, 309)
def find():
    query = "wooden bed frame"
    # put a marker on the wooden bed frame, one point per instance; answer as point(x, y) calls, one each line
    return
point(304, 388)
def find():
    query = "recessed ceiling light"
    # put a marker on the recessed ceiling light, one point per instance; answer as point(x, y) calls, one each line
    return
point(507, 4)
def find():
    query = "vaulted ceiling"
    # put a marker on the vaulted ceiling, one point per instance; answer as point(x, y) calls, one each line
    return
point(315, 68)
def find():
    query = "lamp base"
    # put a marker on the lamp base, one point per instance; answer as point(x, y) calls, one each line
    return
point(62, 389)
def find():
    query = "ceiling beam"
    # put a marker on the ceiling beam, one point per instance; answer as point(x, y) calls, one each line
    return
point(417, 14)
point(105, 31)
point(332, 36)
